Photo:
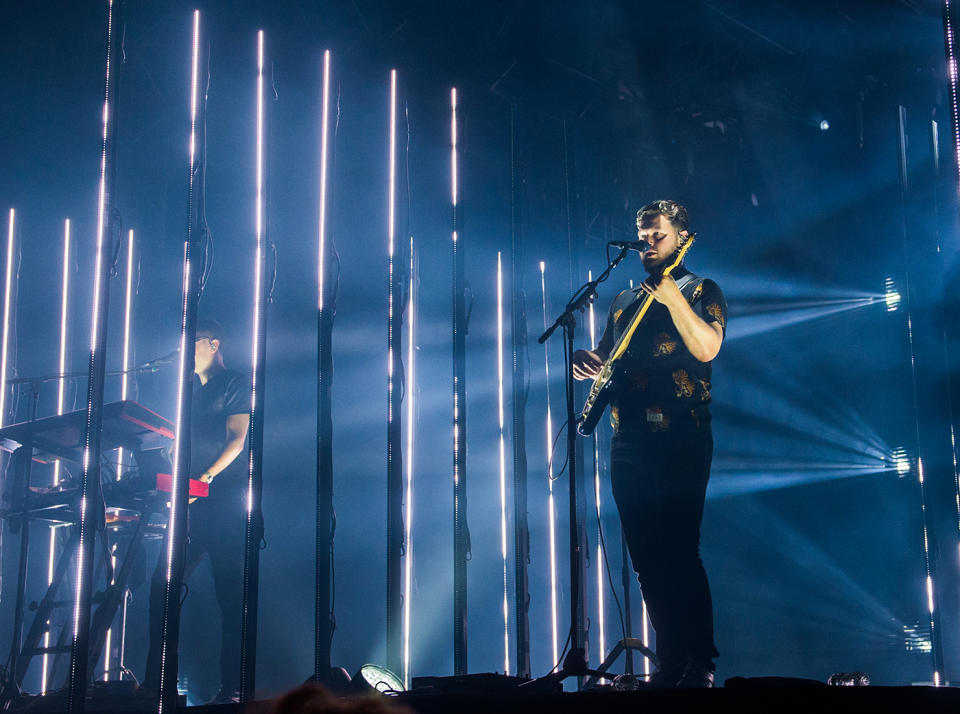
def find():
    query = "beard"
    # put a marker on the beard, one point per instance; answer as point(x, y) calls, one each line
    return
point(655, 266)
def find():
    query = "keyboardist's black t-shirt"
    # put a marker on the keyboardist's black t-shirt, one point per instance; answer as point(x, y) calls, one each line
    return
point(225, 393)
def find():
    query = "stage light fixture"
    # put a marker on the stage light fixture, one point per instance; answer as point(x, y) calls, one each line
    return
point(7, 298)
point(551, 506)
point(901, 461)
point(409, 391)
point(503, 465)
point(891, 296)
point(598, 562)
point(374, 678)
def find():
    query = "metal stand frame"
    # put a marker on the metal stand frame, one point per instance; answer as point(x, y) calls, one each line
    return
point(90, 517)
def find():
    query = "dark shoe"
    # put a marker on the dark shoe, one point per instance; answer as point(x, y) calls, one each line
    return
point(226, 696)
point(697, 676)
point(666, 675)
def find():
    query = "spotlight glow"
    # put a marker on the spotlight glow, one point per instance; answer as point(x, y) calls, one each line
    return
point(598, 562)
point(503, 466)
point(7, 298)
point(551, 512)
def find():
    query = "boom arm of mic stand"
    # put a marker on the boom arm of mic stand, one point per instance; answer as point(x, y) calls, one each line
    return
point(583, 296)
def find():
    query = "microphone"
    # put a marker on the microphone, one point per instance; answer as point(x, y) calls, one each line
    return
point(637, 245)
point(160, 361)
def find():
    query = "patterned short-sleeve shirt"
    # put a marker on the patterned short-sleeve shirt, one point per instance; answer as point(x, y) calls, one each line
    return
point(664, 385)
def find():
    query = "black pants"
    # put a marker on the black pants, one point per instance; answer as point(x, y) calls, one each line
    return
point(659, 484)
point(217, 529)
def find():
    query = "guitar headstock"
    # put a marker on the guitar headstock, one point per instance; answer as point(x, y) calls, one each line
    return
point(680, 254)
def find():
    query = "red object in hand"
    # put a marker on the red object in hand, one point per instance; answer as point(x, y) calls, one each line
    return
point(198, 488)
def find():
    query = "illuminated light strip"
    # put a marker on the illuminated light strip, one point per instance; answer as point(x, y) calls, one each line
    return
point(106, 651)
point(550, 501)
point(62, 364)
point(324, 142)
point(127, 312)
point(503, 466)
point(258, 272)
point(124, 387)
point(453, 197)
point(408, 516)
point(390, 234)
point(931, 601)
point(61, 393)
point(954, 80)
point(7, 297)
point(79, 602)
point(185, 350)
point(596, 495)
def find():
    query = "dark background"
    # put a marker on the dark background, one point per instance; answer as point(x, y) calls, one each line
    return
point(812, 542)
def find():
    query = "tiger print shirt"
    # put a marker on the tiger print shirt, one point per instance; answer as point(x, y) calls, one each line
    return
point(663, 386)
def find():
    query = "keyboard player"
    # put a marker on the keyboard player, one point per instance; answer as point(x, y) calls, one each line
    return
point(219, 424)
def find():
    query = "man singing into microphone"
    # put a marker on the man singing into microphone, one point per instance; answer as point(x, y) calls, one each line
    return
point(662, 441)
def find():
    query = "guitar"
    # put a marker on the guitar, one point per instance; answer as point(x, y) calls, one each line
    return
point(605, 385)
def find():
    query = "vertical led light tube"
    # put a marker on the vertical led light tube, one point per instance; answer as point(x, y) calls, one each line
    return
point(551, 506)
point(394, 603)
point(177, 521)
point(601, 624)
point(252, 532)
point(323, 616)
point(7, 298)
point(61, 395)
point(124, 387)
point(461, 544)
point(502, 466)
point(954, 81)
point(324, 140)
point(409, 391)
point(127, 323)
point(90, 492)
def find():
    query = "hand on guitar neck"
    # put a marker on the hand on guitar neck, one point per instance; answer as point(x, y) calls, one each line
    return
point(587, 364)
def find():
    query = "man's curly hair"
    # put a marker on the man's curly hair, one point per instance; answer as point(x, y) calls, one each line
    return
point(676, 213)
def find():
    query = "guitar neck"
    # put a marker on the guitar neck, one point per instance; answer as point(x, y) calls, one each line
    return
point(621, 346)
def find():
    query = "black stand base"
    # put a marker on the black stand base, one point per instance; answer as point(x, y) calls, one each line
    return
point(629, 644)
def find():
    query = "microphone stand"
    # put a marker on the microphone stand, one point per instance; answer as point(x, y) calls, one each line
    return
point(575, 663)
point(153, 365)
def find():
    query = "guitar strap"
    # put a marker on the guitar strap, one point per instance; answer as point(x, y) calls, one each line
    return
point(688, 279)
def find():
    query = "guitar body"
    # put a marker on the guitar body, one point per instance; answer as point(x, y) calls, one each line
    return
point(595, 406)
point(604, 389)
